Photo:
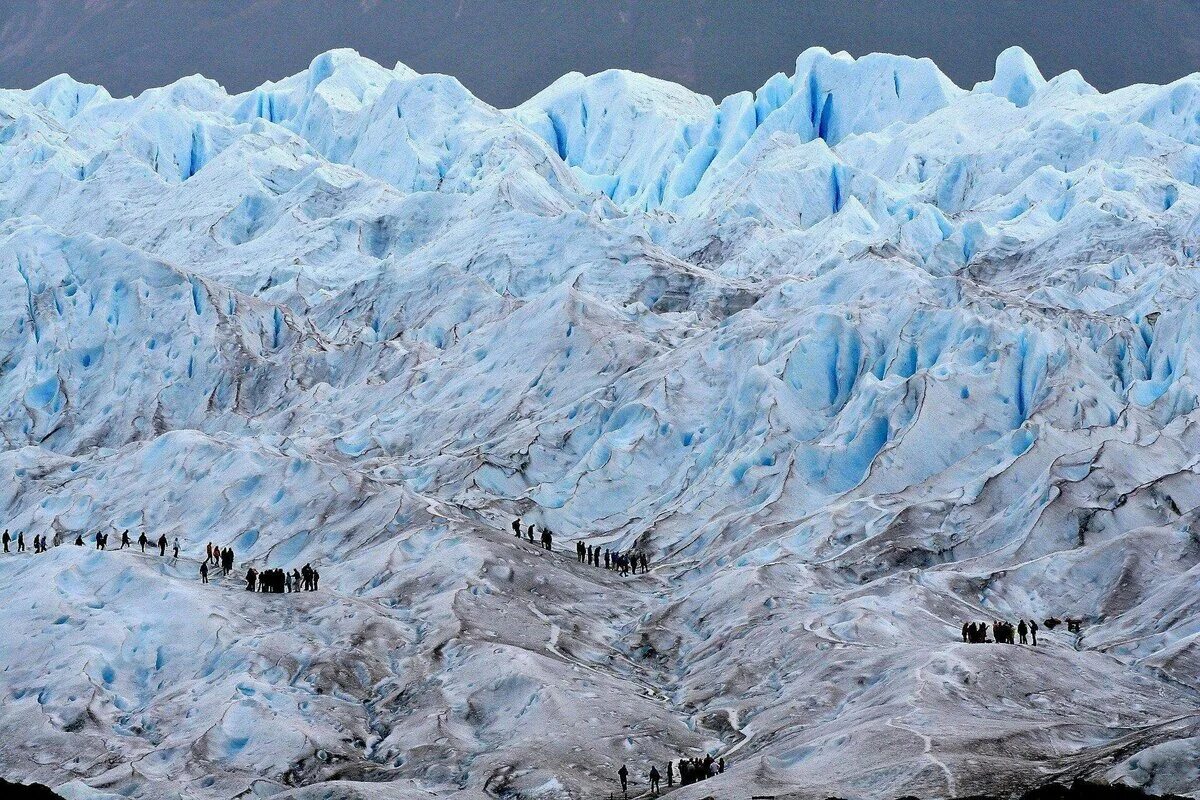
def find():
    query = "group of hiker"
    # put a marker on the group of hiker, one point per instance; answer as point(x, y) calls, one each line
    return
point(547, 537)
point(39, 542)
point(690, 771)
point(304, 579)
point(280, 581)
point(1003, 632)
point(101, 541)
point(220, 556)
point(622, 563)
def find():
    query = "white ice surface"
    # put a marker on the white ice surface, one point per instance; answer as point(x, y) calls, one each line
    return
point(853, 358)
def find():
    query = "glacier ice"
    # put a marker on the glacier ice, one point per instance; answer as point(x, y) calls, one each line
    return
point(853, 357)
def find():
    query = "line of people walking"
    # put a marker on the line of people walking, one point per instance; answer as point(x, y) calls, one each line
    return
point(691, 770)
point(1003, 632)
point(305, 579)
point(101, 540)
point(621, 563)
point(39, 542)
point(547, 537)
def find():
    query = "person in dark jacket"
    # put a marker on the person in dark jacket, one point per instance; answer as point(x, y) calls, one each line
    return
point(654, 779)
point(204, 571)
point(623, 773)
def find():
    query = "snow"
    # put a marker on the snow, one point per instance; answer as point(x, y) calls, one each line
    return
point(853, 358)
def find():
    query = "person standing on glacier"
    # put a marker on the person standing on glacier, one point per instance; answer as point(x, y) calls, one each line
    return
point(1023, 632)
point(204, 571)
point(1033, 629)
point(175, 551)
point(624, 775)
point(7, 539)
point(654, 777)
point(142, 541)
point(516, 526)
point(547, 538)
point(530, 532)
point(162, 545)
point(20, 541)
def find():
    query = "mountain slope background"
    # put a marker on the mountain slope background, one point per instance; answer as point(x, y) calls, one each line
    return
point(854, 358)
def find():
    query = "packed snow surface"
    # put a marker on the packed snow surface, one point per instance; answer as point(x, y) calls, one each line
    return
point(854, 359)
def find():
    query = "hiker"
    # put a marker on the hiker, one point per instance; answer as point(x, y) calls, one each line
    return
point(20, 541)
point(162, 545)
point(645, 563)
point(175, 552)
point(606, 558)
point(204, 571)
point(516, 526)
point(251, 579)
point(1023, 632)
point(721, 766)
point(7, 539)
point(965, 629)
point(670, 774)
point(142, 541)
point(295, 580)
point(124, 540)
point(654, 779)
point(580, 549)
point(79, 539)
point(316, 580)
point(530, 532)
point(624, 773)
point(227, 559)
point(547, 538)
point(99, 540)
point(208, 552)
point(1033, 629)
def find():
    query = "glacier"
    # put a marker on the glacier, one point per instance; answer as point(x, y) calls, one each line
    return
point(853, 358)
